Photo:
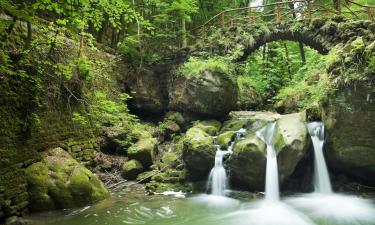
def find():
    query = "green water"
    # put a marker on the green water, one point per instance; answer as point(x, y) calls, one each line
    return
point(133, 206)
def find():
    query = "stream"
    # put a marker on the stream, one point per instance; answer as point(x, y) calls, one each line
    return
point(322, 207)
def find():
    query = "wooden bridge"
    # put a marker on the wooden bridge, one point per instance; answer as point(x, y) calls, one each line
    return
point(278, 12)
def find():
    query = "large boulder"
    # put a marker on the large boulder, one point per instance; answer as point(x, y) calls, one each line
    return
point(291, 142)
point(148, 90)
point(59, 182)
point(247, 163)
point(144, 150)
point(207, 93)
point(131, 169)
point(198, 153)
point(349, 117)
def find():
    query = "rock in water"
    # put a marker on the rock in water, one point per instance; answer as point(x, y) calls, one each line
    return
point(131, 169)
point(199, 153)
point(248, 163)
point(208, 93)
point(349, 117)
point(291, 142)
point(144, 151)
point(59, 182)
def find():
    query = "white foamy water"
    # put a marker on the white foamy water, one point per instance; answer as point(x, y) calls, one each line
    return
point(322, 182)
point(272, 177)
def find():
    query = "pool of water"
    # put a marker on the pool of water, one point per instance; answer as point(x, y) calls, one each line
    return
point(132, 206)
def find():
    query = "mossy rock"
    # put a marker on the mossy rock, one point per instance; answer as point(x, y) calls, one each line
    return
point(235, 125)
point(199, 153)
point(226, 138)
point(144, 150)
point(172, 159)
point(59, 181)
point(171, 127)
point(157, 187)
point(247, 163)
point(211, 127)
point(145, 177)
point(176, 117)
point(291, 142)
point(131, 169)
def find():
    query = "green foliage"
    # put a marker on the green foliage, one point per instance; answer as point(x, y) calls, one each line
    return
point(196, 66)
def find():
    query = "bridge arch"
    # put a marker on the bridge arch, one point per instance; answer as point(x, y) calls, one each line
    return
point(243, 39)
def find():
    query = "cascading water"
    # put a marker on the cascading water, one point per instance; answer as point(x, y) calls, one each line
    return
point(218, 176)
point(217, 181)
point(272, 178)
point(322, 182)
point(323, 205)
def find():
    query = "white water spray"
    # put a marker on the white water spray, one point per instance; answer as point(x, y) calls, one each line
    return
point(272, 178)
point(322, 182)
point(217, 181)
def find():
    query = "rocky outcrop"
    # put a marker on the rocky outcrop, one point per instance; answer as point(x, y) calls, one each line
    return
point(131, 169)
point(59, 182)
point(349, 117)
point(144, 150)
point(198, 153)
point(148, 90)
point(208, 93)
point(291, 142)
point(248, 163)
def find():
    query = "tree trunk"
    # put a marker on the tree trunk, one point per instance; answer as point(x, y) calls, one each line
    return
point(287, 60)
point(302, 52)
point(103, 30)
point(29, 35)
point(183, 31)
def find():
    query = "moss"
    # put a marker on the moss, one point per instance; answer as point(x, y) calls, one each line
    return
point(171, 159)
point(235, 125)
point(131, 169)
point(226, 138)
point(211, 127)
point(86, 187)
point(144, 151)
point(58, 181)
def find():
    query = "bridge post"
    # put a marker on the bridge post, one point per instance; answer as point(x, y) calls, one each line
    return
point(278, 13)
point(338, 7)
point(222, 20)
point(369, 13)
point(309, 9)
point(249, 15)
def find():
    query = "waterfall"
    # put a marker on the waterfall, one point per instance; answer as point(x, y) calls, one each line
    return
point(321, 177)
point(272, 178)
point(217, 180)
point(218, 176)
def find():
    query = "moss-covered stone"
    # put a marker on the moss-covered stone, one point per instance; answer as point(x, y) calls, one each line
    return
point(144, 151)
point(211, 127)
point(131, 169)
point(172, 159)
point(291, 142)
point(199, 152)
point(59, 181)
point(248, 163)
point(226, 138)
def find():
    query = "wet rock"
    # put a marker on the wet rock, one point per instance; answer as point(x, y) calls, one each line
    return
point(199, 153)
point(349, 117)
point(291, 142)
point(144, 150)
point(248, 162)
point(226, 138)
point(208, 93)
point(59, 181)
point(131, 169)
point(211, 127)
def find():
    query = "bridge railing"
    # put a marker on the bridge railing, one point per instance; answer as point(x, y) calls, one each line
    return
point(282, 11)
